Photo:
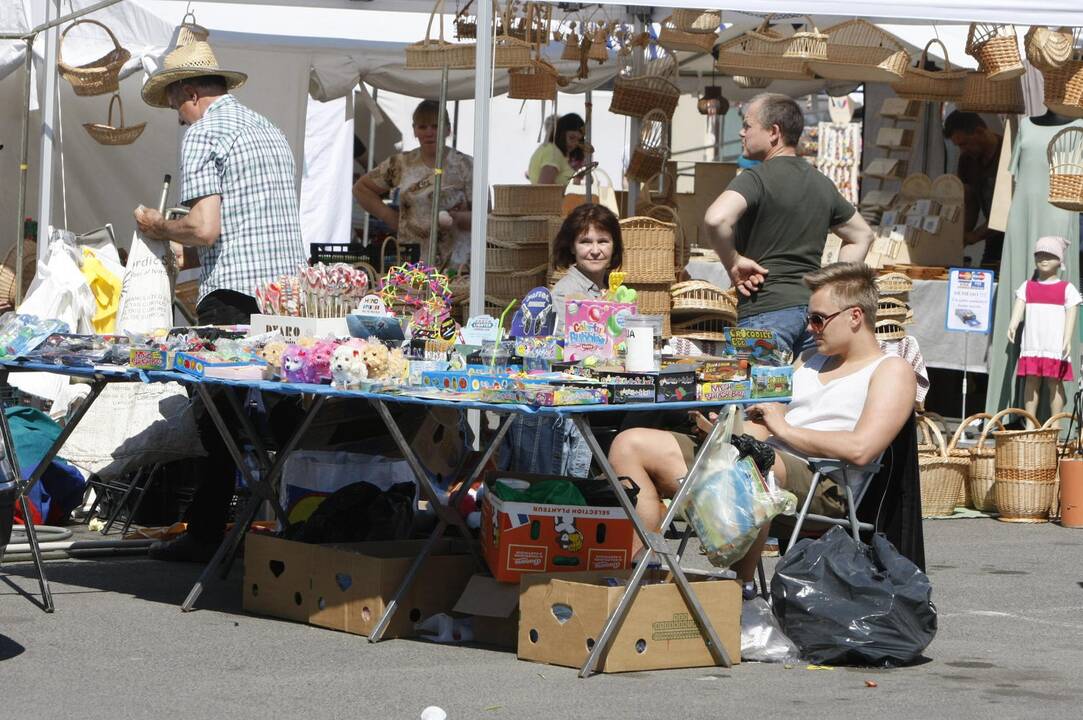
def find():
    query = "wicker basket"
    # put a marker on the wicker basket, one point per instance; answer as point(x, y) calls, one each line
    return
point(894, 283)
point(7, 273)
point(637, 95)
point(751, 70)
point(983, 462)
point(705, 327)
point(996, 49)
point(941, 476)
point(808, 44)
point(516, 284)
point(933, 85)
point(537, 81)
point(702, 22)
point(511, 52)
point(504, 255)
point(649, 156)
point(1026, 473)
point(1064, 88)
point(527, 199)
point(982, 95)
point(648, 250)
point(1065, 156)
point(526, 230)
point(672, 37)
point(699, 297)
point(889, 308)
point(1047, 49)
point(571, 47)
point(859, 51)
point(954, 450)
point(98, 77)
point(430, 54)
point(108, 134)
point(682, 249)
point(654, 299)
point(889, 330)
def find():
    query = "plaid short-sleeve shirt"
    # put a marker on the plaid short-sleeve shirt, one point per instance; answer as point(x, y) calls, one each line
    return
point(239, 155)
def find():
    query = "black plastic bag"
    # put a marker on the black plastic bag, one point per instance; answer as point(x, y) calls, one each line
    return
point(846, 603)
point(359, 512)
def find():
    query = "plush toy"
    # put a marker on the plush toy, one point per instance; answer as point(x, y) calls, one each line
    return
point(319, 360)
point(347, 367)
point(272, 355)
point(294, 359)
point(306, 342)
point(398, 367)
point(374, 354)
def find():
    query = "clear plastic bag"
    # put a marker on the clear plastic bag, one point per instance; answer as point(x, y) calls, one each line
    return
point(729, 502)
point(762, 639)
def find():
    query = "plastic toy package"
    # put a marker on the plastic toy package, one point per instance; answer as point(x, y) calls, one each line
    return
point(83, 350)
point(729, 502)
point(22, 334)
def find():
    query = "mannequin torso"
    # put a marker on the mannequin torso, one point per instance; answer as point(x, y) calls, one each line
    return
point(1050, 119)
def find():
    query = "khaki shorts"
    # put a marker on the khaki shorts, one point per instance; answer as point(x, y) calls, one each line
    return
point(829, 499)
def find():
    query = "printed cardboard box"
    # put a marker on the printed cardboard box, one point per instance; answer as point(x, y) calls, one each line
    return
point(561, 615)
point(292, 328)
point(347, 587)
point(523, 537)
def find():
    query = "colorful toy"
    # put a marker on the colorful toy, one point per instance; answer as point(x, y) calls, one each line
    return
point(594, 328)
point(421, 288)
point(398, 367)
point(293, 364)
point(272, 355)
point(319, 360)
point(347, 367)
point(375, 356)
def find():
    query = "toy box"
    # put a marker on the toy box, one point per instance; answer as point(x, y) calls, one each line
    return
point(724, 369)
point(150, 359)
point(772, 382)
point(528, 537)
point(207, 365)
point(676, 384)
point(594, 328)
point(629, 387)
point(548, 395)
point(466, 380)
point(759, 345)
point(719, 391)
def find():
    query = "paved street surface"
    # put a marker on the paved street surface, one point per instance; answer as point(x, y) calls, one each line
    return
point(1010, 645)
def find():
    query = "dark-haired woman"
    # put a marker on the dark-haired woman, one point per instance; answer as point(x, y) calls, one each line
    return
point(589, 245)
point(551, 163)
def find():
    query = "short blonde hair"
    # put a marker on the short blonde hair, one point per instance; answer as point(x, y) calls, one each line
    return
point(852, 284)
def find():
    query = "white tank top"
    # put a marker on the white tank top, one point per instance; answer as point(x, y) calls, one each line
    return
point(833, 406)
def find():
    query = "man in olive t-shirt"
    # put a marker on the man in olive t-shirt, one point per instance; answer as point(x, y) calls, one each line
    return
point(770, 225)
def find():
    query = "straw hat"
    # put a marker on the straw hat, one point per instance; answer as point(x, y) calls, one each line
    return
point(183, 62)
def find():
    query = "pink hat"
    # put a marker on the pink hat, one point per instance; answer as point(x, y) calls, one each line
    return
point(1053, 245)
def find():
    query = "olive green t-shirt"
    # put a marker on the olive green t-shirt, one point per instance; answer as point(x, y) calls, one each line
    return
point(791, 208)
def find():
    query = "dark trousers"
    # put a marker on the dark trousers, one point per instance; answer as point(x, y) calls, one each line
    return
point(206, 516)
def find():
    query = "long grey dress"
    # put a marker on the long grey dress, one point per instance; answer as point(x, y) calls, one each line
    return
point(1030, 217)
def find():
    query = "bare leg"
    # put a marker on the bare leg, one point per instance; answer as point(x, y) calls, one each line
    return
point(1030, 393)
point(1054, 388)
point(652, 459)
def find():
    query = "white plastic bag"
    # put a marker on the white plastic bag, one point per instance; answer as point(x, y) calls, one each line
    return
point(146, 296)
point(762, 639)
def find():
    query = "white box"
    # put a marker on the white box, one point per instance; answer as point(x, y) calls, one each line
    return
point(296, 327)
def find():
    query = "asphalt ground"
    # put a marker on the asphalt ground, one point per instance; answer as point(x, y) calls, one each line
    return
point(1010, 645)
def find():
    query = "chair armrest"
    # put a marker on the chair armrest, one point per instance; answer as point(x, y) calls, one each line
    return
point(830, 465)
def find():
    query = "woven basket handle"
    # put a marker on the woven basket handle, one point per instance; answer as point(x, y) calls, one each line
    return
point(942, 450)
point(116, 99)
point(383, 252)
point(437, 8)
point(1052, 422)
point(648, 128)
point(1049, 152)
point(811, 24)
point(995, 420)
point(60, 45)
point(963, 426)
point(925, 55)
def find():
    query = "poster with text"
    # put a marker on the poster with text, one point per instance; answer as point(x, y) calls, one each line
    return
point(970, 300)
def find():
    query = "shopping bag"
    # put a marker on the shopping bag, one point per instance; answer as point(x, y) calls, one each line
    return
point(846, 603)
point(602, 193)
point(309, 476)
point(146, 297)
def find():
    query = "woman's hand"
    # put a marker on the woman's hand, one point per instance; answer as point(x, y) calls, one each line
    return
point(769, 415)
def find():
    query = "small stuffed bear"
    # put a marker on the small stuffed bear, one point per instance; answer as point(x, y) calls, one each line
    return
point(272, 355)
point(398, 367)
point(294, 360)
point(319, 361)
point(347, 367)
point(374, 354)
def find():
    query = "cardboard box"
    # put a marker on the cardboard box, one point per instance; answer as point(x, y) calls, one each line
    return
point(347, 587)
point(522, 537)
point(719, 391)
point(772, 382)
point(292, 328)
point(494, 607)
point(561, 615)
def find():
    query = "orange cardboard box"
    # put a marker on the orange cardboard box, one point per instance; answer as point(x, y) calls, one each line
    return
point(524, 537)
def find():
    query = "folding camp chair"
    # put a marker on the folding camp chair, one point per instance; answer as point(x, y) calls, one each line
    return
point(846, 476)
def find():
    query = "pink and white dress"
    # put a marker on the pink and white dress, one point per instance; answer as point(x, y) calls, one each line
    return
point(1041, 352)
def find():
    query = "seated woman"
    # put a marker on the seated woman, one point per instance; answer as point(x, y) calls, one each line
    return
point(849, 401)
point(551, 163)
point(588, 245)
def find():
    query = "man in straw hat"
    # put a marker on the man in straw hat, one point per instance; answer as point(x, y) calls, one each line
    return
point(237, 176)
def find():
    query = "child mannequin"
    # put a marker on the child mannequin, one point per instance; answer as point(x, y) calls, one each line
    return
point(1049, 306)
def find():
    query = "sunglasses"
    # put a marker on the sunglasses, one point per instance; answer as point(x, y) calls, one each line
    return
point(818, 321)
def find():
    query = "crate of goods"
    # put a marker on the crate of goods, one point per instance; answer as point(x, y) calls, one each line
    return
point(527, 199)
point(649, 248)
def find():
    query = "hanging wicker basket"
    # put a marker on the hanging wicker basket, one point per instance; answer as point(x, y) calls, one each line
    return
point(737, 57)
point(1065, 155)
point(434, 54)
point(983, 461)
point(648, 250)
point(1026, 474)
point(189, 32)
point(982, 95)
point(858, 51)
point(672, 37)
point(1064, 88)
point(637, 95)
point(751, 83)
point(700, 22)
point(941, 476)
point(649, 156)
point(932, 85)
point(1047, 49)
point(807, 44)
point(537, 81)
point(119, 135)
point(527, 199)
point(94, 78)
point(996, 48)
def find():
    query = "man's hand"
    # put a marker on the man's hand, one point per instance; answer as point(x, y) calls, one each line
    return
point(769, 415)
point(704, 424)
point(150, 223)
point(747, 275)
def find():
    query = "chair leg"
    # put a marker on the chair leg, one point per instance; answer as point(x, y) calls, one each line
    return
point(765, 593)
point(852, 507)
point(804, 511)
point(123, 499)
point(139, 500)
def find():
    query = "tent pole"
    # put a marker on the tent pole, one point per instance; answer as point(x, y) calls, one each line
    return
point(589, 112)
point(48, 130)
point(479, 208)
point(438, 171)
point(455, 126)
point(24, 167)
point(637, 69)
point(369, 155)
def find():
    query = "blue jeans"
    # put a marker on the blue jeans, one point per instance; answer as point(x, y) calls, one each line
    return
point(545, 445)
point(788, 324)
